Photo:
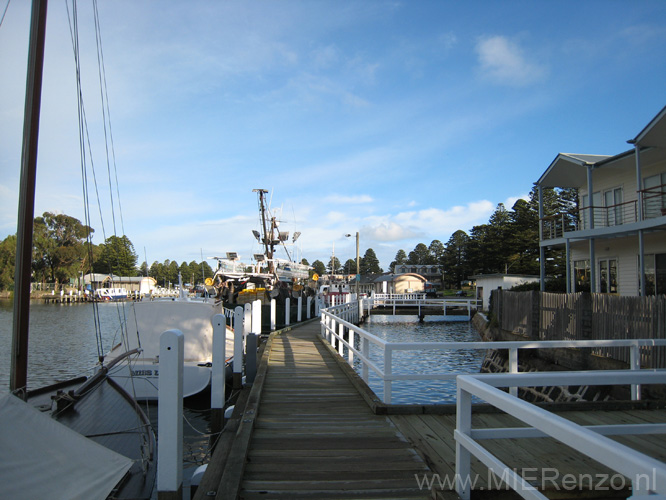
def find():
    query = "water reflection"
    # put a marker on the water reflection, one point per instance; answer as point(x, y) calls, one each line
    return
point(408, 329)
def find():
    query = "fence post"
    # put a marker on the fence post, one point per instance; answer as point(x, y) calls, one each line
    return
point(635, 364)
point(388, 373)
point(535, 316)
point(513, 368)
point(273, 314)
point(365, 349)
point(299, 314)
point(239, 327)
point(308, 305)
point(170, 416)
point(463, 473)
point(287, 311)
point(256, 317)
point(217, 384)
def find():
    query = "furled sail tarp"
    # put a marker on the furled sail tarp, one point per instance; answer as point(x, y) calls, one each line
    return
point(41, 458)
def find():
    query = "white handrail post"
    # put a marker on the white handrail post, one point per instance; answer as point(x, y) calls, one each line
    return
point(217, 384)
point(635, 364)
point(239, 327)
point(299, 314)
point(273, 314)
point(308, 306)
point(365, 349)
point(350, 351)
point(322, 326)
point(247, 319)
point(513, 368)
point(256, 317)
point(170, 416)
point(463, 459)
point(388, 373)
point(341, 333)
point(287, 311)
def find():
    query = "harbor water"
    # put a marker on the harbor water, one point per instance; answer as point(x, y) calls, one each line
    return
point(433, 329)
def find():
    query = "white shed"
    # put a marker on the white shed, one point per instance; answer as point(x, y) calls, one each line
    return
point(485, 283)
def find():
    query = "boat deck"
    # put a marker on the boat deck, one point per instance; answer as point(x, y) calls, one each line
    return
point(307, 432)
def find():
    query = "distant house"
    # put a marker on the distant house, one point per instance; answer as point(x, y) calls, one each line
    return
point(143, 285)
point(431, 272)
point(399, 283)
point(616, 241)
point(485, 283)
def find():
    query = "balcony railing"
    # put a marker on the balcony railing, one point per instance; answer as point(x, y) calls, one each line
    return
point(654, 205)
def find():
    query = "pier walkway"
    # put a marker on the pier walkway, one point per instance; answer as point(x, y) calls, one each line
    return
point(314, 436)
point(307, 431)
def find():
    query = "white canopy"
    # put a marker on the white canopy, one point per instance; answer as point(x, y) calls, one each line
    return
point(41, 458)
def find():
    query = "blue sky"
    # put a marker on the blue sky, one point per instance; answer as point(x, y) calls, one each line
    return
point(404, 121)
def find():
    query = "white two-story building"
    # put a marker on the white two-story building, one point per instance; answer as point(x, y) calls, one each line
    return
point(616, 241)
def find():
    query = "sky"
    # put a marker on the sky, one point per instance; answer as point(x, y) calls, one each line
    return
point(403, 121)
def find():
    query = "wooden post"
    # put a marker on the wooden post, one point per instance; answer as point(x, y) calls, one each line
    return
point(299, 314)
point(287, 312)
point(273, 314)
point(170, 417)
point(217, 385)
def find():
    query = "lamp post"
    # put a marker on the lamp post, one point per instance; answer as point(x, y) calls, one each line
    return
point(358, 265)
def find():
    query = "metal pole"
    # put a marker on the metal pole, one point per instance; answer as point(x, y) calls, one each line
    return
point(358, 267)
point(18, 379)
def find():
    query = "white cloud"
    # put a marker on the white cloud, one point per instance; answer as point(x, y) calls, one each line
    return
point(358, 199)
point(502, 61)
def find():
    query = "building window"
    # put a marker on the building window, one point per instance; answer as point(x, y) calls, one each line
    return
point(608, 276)
point(655, 274)
point(654, 197)
point(582, 275)
point(613, 203)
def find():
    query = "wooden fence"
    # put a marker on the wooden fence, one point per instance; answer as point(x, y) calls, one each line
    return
point(585, 316)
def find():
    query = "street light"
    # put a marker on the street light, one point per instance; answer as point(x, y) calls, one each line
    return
point(358, 267)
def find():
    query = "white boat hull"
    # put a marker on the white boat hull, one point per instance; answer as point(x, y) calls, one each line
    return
point(146, 322)
point(143, 381)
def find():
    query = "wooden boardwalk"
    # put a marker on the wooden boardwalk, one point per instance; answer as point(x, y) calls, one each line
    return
point(308, 431)
point(315, 437)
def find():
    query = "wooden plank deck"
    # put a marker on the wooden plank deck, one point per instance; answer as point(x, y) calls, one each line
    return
point(310, 429)
point(558, 471)
point(315, 437)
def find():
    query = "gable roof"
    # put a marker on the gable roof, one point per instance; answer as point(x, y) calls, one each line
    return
point(569, 170)
point(654, 133)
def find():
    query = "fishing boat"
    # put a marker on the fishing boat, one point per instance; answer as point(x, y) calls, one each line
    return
point(146, 322)
point(82, 438)
point(268, 277)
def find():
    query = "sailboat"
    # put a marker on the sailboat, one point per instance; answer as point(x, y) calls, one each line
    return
point(146, 322)
point(84, 438)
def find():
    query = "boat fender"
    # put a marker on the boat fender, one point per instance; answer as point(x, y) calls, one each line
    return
point(196, 479)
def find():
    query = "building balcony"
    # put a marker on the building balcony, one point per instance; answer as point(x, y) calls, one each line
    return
point(615, 220)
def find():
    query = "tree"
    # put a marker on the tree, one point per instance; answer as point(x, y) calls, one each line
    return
point(455, 259)
point(334, 265)
point(7, 262)
point(319, 267)
point(370, 263)
point(420, 255)
point(117, 257)
point(436, 250)
point(143, 269)
point(350, 266)
point(400, 258)
point(59, 247)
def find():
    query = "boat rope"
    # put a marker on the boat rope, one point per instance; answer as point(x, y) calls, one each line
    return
point(4, 12)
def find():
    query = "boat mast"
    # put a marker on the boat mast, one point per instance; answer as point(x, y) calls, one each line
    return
point(268, 241)
point(23, 271)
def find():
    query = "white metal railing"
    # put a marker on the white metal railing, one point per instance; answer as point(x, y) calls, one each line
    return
point(647, 475)
point(338, 320)
point(419, 301)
